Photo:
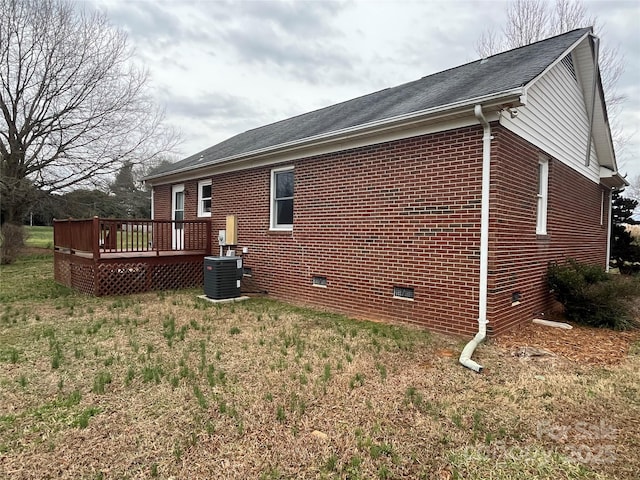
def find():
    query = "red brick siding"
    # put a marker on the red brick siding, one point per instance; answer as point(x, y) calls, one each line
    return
point(162, 202)
point(404, 213)
point(518, 258)
point(407, 213)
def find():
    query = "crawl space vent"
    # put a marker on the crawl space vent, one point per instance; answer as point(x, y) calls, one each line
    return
point(320, 281)
point(403, 292)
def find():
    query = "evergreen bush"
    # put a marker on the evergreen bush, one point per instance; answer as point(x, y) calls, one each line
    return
point(592, 297)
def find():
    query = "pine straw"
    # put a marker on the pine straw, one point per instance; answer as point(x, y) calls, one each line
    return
point(393, 403)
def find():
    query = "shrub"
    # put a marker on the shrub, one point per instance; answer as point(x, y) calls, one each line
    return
point(593, 297)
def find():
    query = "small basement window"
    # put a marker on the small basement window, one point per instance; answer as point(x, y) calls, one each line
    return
point(405, 293)
point(319, 281)
point(246, 271)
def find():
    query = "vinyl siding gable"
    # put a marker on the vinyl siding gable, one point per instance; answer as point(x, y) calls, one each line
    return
point(555, 119)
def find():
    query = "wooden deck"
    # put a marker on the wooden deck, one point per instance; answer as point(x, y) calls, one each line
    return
point(147, 254)
point(101, 256)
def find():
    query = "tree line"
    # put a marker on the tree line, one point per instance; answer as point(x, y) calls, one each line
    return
point(125, 197)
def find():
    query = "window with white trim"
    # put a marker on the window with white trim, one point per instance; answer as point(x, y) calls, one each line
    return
point(543, 194)
point(204, 198)
point(282, 198)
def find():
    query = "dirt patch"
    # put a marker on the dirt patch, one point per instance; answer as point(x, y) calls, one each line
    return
point(594, 346)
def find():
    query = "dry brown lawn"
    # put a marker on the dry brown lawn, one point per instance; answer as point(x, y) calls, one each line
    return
point(170, 386)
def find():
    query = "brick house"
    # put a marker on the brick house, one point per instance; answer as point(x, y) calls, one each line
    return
point(439, 202)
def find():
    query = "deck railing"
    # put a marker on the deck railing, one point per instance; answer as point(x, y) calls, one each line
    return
point(99, 236)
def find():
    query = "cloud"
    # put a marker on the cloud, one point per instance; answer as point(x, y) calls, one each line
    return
point(311, 61)
point(211, 117)
point(157, 22)
point(296, 39)
point(210, 105)
point(296, 18)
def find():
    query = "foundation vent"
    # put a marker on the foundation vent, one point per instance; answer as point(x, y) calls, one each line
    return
point(406, 293)
point(319, 281)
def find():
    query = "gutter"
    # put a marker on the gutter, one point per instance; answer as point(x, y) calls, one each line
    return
point(467, 352)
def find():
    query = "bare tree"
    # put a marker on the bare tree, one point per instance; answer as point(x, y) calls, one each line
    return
point(529, 21)
point(633, 190)
point(74, 106)
point(568, 15)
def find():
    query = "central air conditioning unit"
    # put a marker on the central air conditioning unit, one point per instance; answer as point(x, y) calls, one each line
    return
point(222, 277)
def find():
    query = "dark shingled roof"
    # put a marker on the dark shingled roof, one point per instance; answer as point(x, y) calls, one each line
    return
point(499, 73)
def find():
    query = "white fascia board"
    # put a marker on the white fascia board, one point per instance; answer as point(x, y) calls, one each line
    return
point(601, 130)
point(403, 126)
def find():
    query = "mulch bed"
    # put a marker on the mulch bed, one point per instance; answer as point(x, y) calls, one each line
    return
point(594, 346)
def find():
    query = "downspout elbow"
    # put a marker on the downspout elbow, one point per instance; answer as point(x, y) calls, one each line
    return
point(467, 352)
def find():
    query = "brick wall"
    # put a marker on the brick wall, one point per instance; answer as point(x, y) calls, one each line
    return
point(162, 202)
point(407, 213)
point(518, 258)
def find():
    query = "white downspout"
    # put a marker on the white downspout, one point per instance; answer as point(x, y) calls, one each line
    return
point(608, 260)
point(152, 202)
point(467, 352)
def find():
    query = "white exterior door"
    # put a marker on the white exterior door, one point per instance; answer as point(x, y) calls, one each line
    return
point(177, 215)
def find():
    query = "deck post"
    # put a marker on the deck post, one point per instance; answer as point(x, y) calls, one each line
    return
point(156, 238)
point(70, 235)
point(95, 238)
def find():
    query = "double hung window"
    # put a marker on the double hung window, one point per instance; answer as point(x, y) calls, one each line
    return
point(204, 198)
point(282, 186)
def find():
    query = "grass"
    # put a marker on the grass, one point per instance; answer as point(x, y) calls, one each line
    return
point(162, 385)
point(30, 278)
point(40, 237)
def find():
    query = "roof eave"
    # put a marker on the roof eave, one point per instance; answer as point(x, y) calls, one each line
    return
point(612, 179)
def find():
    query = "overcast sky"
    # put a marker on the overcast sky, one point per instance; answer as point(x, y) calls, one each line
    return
point(220, 68)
